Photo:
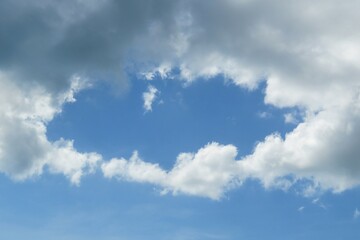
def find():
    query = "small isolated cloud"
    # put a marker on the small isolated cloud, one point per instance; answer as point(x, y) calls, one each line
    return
point(301, 209)
point(356, 213)
point(264, 114)
point(319, 203)
point(149, 97)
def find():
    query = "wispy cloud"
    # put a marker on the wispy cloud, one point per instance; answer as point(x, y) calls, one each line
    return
point(319, 203)
point(264, 114)
point(356, 213)
point(149, 97)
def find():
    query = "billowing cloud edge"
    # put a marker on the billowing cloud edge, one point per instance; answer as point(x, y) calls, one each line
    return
point(24, 148)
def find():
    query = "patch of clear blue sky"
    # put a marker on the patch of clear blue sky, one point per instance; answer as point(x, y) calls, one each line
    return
point(50, 208)
point(189, 118)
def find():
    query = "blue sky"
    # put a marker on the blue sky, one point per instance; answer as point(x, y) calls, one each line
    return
point(183, 119)
point(134, 120)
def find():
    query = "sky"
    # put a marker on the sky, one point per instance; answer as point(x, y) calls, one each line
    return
point(185, 119)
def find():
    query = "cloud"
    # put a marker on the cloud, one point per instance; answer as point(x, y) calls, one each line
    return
point(306, 53)
point(46, 43)
point(24, 148)
point(320, 154)
point(288, 45)
point(264, 115)
point(319, 203)
point(47, 47)
point(356, 213)
point(291, 118)
point(208, 172)
point(149, 97)
point(64, 158)
point(163, 71)
point(321, 149)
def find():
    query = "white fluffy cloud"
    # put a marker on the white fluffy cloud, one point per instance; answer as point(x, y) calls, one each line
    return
point(208, 173)
point(24, 147)
point(321, 149)
point(320, 154)
point(149, 97)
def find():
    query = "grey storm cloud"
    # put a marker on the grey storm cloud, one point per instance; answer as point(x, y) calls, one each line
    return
point(47, 42)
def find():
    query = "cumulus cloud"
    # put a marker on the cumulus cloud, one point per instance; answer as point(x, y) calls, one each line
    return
point(149, 97)
point(64, 158)
point(321, 149)
point(319, 154)
point(208, 172)
point(44, 45)
point(24, 147)
point(306, 53)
